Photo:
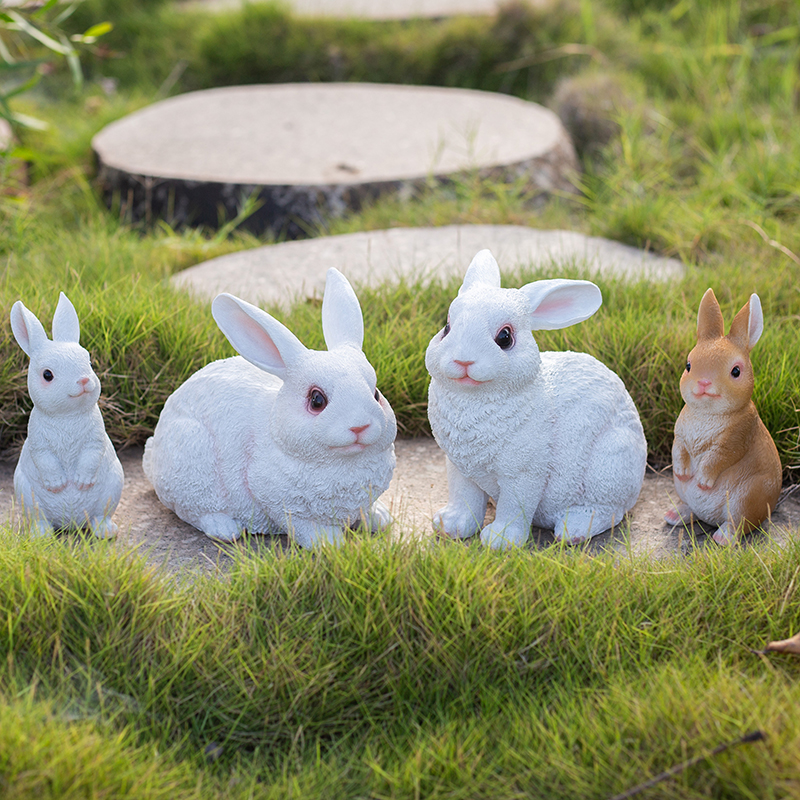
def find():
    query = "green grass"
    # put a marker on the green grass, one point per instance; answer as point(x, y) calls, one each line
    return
point(393, 670)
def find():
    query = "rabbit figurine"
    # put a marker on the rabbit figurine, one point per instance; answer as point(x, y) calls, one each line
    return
point(553, 437)
point(68, 473)
point(726, 467)
point(284, 438)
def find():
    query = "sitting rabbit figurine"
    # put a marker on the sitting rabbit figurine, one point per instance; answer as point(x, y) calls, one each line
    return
point(726, 467)
point(553, 437)
point(68, 473)
point(284, 438)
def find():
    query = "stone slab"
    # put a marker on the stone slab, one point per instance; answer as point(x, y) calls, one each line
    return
point(366, 9)
point(417, 491)
point(310, 151)
point(276, 274)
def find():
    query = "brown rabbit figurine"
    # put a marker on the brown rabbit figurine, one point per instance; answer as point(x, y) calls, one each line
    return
point(726, 467)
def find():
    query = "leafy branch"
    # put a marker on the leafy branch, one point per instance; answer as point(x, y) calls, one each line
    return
point(27, 28)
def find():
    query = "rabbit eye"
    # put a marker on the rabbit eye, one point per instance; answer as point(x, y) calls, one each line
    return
point(446, 329)
point(317, 400)
point(47, 375)
point(377, 396)
point(688, 366)
point(505, 339)
point(736, 372)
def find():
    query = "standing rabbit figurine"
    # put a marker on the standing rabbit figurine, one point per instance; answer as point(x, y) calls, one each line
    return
point(284, 438)
point(726, 467)
point(553, 437)
point(68, 473)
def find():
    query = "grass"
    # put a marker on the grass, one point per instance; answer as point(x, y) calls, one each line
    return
point(385, 669)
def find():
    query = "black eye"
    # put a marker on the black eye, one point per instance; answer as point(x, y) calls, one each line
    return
point(736, 372)
point(377, 396)
point(688, 366)
point(505, 339)
point(446, 329)
point(47, 375)
point(317, 400)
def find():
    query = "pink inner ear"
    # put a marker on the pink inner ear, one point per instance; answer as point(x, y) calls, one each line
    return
point(553, 303)
point(262, 342)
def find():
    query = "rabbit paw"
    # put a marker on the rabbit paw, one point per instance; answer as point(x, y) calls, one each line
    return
point(220, 527)
point(725, 534)
point(55, 488)
point(40, 528)
point(503, 537)
point(379, 517)
point(683, 472)
point(705, 482)
point(678, 514)
point(307, 534)
point(104, 528)
point(457, 522)
point(578, 523)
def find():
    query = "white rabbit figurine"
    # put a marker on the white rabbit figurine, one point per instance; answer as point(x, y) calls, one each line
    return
point(68, 473)
point(553, 437)
point(285, 438)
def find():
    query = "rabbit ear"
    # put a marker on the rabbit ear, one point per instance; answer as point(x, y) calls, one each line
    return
point(342, 322)
point(748, 324)
point(483, 269)
point(560, 303)
point(66, 327)
point(260, 338)
point(710, 324)
point(28, 331)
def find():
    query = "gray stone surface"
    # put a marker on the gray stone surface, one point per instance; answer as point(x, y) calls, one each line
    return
point(418, 489)
point(315, 150)
point(367, 9)
point(277, 273)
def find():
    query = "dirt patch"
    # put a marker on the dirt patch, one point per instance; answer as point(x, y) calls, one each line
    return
point(417, 491)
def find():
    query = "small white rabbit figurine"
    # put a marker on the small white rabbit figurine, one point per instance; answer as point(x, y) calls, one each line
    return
point(285, 438)
point(68, 473)
point(553, 437)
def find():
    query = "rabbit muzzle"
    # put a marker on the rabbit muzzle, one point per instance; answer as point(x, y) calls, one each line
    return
point(702, 389)
point(85, 386)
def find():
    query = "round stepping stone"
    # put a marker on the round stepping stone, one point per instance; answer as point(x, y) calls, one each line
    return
point(368, 9)
point(278, 273)
point(311, 151)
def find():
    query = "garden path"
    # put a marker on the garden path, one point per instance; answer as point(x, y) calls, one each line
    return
point(418, 489)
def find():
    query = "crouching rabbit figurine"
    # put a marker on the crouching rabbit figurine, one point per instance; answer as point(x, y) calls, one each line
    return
point(726, 467)
point(68, 474)
point(284, 438)
point(553, 437)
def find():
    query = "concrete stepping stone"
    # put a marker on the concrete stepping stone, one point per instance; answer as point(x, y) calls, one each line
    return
point(311, 151)
point(417, 491)
point(367, 9)
point(277, 273)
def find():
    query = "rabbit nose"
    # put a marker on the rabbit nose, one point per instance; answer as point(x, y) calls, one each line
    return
point(360, 429)
point(83, 381)
point(463, 363)
point(704, 383)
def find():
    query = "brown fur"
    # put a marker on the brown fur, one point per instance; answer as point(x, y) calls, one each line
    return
point(726, 466)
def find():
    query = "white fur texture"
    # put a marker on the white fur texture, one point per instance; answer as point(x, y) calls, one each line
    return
point(554, 438)
point(240, 446)
point(68, 474)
